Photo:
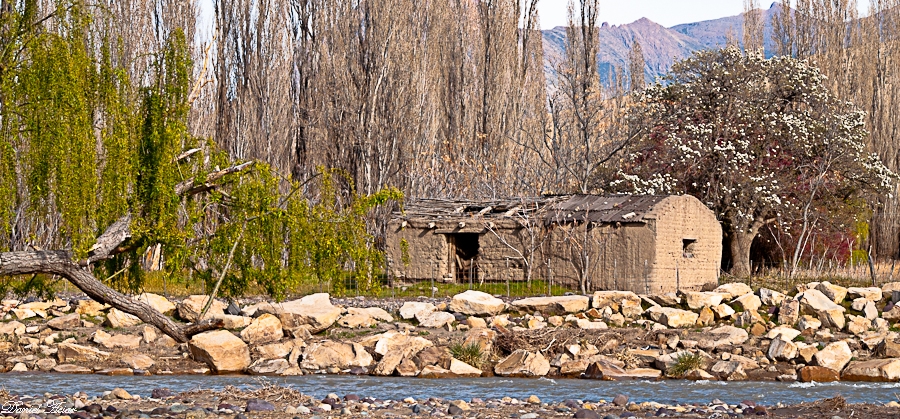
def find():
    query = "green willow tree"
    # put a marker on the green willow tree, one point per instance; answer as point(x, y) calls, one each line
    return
point(111, 162)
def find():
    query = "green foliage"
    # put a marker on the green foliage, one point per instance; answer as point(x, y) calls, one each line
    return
point(404, 252)
point(685, 363)
point(469, 353)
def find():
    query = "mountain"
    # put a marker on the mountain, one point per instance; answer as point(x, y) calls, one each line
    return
point(661, 46)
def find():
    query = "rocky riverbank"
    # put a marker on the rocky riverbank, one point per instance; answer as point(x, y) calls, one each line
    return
point(818, 332)
point(271, 401)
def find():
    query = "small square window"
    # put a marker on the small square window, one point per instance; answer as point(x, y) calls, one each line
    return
point(687, 247)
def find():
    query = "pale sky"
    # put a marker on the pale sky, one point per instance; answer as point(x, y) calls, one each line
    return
point(665, 12)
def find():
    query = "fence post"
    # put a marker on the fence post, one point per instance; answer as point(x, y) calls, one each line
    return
point(549, 279)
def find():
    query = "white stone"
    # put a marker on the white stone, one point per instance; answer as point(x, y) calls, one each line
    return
point(770, 297)
point(158, 302)
point(553, 305)
point(410, 309)
point(698, 300)
point(435, 319)
point(221, 350)
point(782, 350)
point(313, 312)
point(522, 363)
point(869, 293)
point(834, 356)
point(673, 317)
point(783, 332)
point(748, 302)
point(476, 303)
point(733, 290)
point(376, 313)
point(263, 329)
point(836, 293)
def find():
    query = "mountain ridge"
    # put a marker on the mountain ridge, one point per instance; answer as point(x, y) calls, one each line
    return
point(661, 46)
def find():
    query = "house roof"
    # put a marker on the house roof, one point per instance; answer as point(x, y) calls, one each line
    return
point(602, 209)
point(561, 209)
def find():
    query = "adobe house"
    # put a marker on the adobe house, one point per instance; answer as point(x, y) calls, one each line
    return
point(646, 244)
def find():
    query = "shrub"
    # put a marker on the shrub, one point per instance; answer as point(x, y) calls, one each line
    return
point(470, 354)
point(684, 363)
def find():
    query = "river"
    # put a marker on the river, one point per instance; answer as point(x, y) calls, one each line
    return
point(395, 388)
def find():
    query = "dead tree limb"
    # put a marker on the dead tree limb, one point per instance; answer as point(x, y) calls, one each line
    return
point(59, 262)
point(110, 243)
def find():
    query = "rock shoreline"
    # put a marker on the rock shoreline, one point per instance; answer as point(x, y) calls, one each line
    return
point(270, 401)
point(817, 332)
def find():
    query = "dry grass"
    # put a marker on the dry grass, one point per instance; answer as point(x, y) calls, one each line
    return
point(265, 390)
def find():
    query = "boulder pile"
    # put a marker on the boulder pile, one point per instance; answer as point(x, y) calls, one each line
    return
point(817, 332)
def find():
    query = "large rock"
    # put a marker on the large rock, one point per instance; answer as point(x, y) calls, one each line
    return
point(522, 363)
point(748, 302)
point(770, 297)
point(269, 367)
point(876, 370)
point(71, 352)
point(672, 317)
point(784, 332)
point(870, 293)
point(12, 328)
point(835, 293)
point(829, 313)
point(595, 367)
point(117, 319)
point(722, 336)
point(376, 313)
point(553, 305)
point(330, 354)
point(138, 361)
point(356, 321)
point(789, 312)
point(723, 311)
point(90, 308)
point(834, 356)
point(158, 302)
point(67, 322)
point(462, 369)
point(782, 350)
point(476, 303)
point(263, 329)
point(313, 312)
point(613, 299)
point(729, 371)
point(410, 309)
point(733, 290)
point(222, 351)
point(121, 342)
point(698, 300)
point(190, 308)
point(818, 374)
point(435, 319)
point(394, 347)
point(858, 325)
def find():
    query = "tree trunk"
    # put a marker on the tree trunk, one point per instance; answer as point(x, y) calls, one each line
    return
point(739, 245)
point(60, 263)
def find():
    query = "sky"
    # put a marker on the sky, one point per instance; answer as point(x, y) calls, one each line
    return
point(665, 12)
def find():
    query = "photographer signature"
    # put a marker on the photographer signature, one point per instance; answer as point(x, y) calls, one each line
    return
point(51, 406)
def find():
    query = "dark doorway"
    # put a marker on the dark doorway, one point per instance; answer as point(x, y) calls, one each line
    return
point(464, 256)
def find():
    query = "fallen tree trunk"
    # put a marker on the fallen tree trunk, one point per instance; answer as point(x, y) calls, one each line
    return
point(59, 262)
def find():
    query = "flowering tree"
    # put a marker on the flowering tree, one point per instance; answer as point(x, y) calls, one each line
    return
point(758, 140)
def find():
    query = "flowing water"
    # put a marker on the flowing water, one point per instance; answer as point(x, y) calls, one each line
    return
point(395, 388)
